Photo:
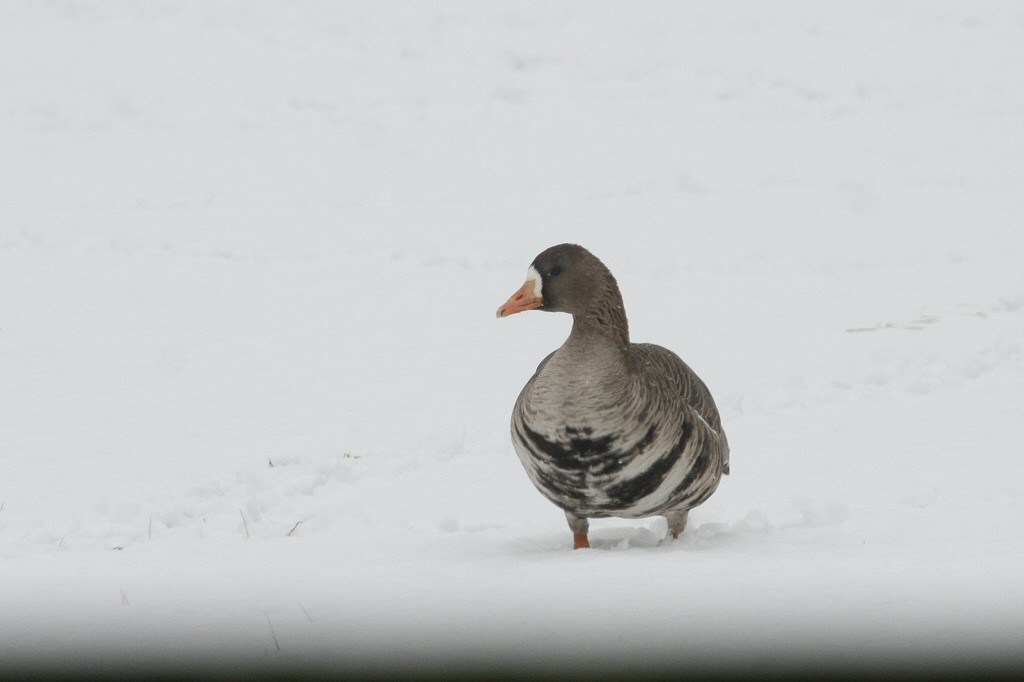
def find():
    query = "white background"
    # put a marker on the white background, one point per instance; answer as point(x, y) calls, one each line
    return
point(253, 397)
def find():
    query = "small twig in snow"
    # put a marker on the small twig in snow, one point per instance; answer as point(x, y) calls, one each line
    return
point(306, 612)
point(272, 633)
point(293, 528)
point(242, 514)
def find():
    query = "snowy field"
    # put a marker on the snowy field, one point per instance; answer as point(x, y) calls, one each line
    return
point(254, 401)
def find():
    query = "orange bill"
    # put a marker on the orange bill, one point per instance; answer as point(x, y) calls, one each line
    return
point(527, 298)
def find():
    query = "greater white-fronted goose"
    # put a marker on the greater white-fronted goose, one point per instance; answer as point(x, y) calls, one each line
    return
point(606, 427)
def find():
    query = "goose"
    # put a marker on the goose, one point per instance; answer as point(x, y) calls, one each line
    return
point(605, 427)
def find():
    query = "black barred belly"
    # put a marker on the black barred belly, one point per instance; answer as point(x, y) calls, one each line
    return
point(610, 476)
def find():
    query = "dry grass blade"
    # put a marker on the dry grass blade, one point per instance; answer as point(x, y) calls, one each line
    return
point(273, 634)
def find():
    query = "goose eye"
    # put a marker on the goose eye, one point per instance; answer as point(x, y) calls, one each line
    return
point(555, 271)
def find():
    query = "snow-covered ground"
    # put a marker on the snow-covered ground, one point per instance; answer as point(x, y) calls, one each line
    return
point(254, 401)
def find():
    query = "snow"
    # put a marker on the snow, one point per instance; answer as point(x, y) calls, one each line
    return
point(254, 402)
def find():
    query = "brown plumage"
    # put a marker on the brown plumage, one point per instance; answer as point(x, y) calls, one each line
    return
point(606, 427)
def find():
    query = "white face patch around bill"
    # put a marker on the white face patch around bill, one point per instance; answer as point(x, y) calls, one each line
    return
point(531, 273)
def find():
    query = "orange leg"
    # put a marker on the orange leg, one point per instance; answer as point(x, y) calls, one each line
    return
point(677, 522)
point(580, 541)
